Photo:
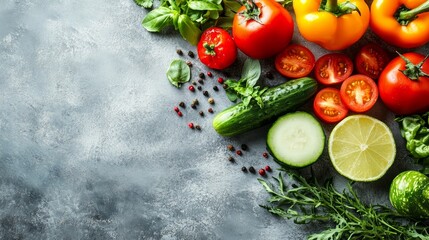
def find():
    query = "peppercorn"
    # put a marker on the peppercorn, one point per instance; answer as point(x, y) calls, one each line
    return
point(244, 147)
point(269, 75)
point(194, 83)
point(225, 86)
point(201, 113)
point(265, 155)
point(211, 100)
point(252, 169)
point(244, 169)
point(220, 80)
point(210, 110)
point(191, 88)
point(191, 54)
point(231, 159)
point(230, 147)
point(198, 127)
point(215, 88)
point(179, 113)
point(199, 88)
point(268, 168)
point(182, 104)
point(205, 93)
point(200, 81)
point(210, 74)
point(176, 109)
point(239, 152)
point(191, 125)
point(189, 63)
point(261, 172)
point(201, 75)
point(193, 106)
point(179, 52)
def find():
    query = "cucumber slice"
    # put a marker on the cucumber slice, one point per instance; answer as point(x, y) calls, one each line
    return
point(296, 139)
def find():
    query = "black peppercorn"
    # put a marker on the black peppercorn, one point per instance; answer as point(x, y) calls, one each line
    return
point(230, 147)
point(231, 159)
point(179, 52)
point(205, 93)
point(201, 113)
point(189, 63)
point(191, 54)
point(198, 127)
point(201, 75)
point(210, 110)
point(182, 104)
point(215, 88)
point(252, 169)
point(244, 169)
point(193, 106)
point(199, 88)
point(244, 147)
point(200, 81)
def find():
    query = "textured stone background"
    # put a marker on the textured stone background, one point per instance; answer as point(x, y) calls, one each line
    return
point(90, 147)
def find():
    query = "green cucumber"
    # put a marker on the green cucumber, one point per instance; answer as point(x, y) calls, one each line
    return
point(296, 140)
point(409, 194)
point(277, 101)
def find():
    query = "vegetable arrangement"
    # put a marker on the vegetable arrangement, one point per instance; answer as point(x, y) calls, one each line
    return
point(361, 148)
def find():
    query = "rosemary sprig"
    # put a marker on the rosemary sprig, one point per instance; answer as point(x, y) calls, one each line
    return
point(308, 201)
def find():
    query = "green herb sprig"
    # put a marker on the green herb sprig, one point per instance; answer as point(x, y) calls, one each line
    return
point(246, 88)
point(308, 201)
point(189, 17)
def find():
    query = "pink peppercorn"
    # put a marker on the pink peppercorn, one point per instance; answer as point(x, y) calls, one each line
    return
point(239, 152)
point(191, 88)
point(261, 172)
point(191, 125)
point(210, 74)
point(265, 155)
point(268, 168)
point(220, 80)
point(179, 113)
point(176, 109)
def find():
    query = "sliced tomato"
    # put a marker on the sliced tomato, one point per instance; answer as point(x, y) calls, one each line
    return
point(333, 68)
point(359, 93)
point(371, 60)
point(328, 106)
point(295, 61)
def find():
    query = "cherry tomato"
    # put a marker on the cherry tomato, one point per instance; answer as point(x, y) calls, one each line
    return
point(400, 93)
point(371, 60)
point(333, 68)
point(359, 93)
point(295, 61)
point(328, 106)
point(216, 48)
point(262, 28)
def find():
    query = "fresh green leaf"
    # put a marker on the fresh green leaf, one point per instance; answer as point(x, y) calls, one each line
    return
point(189, 31)
point(158, 19)
point(204, 5)
point(251, 72)
point(179, 72)
point(144, 3)
point(232, 96)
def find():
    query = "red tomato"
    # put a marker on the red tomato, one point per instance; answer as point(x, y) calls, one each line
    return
point(401, 94)
point(262, 28)
point(333, 68)
point(216, 48)
point(295, 61)
point(328, 106)
point(359, 93)
point(371, 60)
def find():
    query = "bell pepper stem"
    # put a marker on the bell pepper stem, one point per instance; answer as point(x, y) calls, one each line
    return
point(331, 6)
point(409, 15)
point(338, 10)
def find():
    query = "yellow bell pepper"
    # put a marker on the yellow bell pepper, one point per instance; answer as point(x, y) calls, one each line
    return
point(332, 24)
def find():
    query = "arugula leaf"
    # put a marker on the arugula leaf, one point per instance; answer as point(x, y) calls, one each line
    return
point(158, 19)
point(179, 72)
point(144, 3)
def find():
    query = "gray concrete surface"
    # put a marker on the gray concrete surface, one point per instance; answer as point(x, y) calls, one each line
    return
point(90, 147)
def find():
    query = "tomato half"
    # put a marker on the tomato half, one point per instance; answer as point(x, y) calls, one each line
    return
point(262, 28)
point(328, 105)
point(333, 68)
point(359, 93)
point(399, 92)
point(371, 60)
point(295, 61)
point(216, 48)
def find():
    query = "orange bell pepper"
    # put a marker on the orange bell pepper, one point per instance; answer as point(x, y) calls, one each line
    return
point(402, 23)
point(332, 24)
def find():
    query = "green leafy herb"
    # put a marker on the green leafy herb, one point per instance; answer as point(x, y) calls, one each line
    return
point(144, 3)
point(309, 201)
point(415, 130)
point(245, 88)
point(179, 72)
point(189, 17)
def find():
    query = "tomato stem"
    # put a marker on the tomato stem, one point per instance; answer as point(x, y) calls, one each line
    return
point(338, 10)
point(252, 11)
point(413, 71)
point(405, 15)
point(209, 49)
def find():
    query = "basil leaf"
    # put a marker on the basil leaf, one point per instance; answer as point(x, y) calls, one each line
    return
point(204, 5)
point(232, 96)
point(246, 101)
point(144, 3)
point(179, 72)
point(158, 18)
point(189, 31)
point(251, 72)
